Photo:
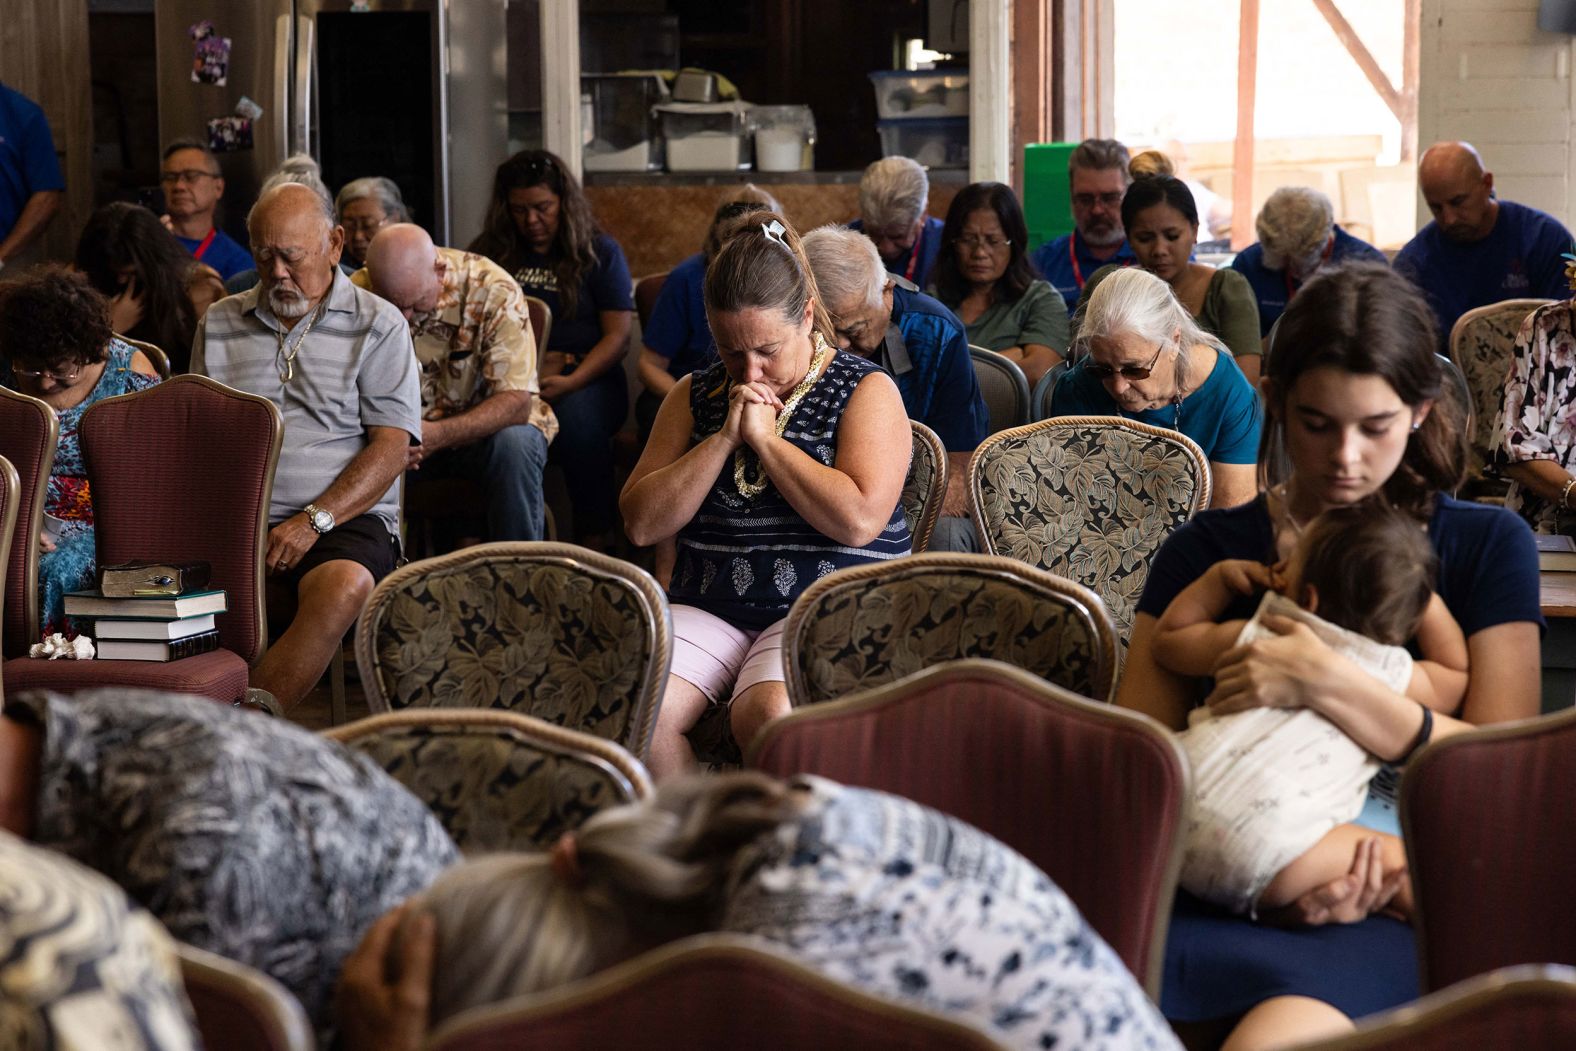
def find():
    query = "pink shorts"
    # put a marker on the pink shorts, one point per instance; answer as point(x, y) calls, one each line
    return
point(720, 660)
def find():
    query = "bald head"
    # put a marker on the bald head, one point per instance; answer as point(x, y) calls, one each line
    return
point(296, 245)
point(405, 268)
point(1459, 193)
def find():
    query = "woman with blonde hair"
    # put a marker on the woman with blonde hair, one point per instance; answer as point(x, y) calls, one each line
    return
point(1141, 355)
point(778, 464)
point(869, 889)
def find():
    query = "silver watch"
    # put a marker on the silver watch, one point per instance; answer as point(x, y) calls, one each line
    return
point(321, 520)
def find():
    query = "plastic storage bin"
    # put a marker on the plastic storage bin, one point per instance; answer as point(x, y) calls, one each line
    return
point(624, 136)
point(938, 143)
point(706, 136)
point(784, 138)
point(923, 93)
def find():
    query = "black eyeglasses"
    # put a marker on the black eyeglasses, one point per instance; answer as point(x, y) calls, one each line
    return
point(1129, 372)
point(1089, 200)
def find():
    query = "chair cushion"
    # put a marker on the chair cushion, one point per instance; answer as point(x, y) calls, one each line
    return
point(220, 675)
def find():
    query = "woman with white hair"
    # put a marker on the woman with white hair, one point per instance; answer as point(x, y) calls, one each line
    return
point(1142, 356)
point(893, 194)
point(366, 206)
point(1297, 236)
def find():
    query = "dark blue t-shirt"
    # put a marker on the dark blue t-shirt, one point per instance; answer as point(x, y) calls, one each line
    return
point(937, 382)
point(1519, 258)
point(1067, 263)
point(1223, 415)
point(606, 287)
point(27, 156)
point(223, 253)
point(677, 328)
point(1274, 288)
point(918, 262)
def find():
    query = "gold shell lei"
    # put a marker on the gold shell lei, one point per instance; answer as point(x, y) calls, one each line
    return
point(751, 488)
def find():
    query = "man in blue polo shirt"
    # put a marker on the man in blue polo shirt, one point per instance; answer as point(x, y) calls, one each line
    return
point(1297, 236)
point(192, 189)
point(893, 195)
point(1097, 179)
point(1479, 250)
point(30, 184)
point(920, 343)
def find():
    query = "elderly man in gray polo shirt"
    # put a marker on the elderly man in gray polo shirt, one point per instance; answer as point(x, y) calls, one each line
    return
point(338, 362)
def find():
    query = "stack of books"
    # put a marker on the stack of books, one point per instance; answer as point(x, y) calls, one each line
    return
point(150, 627)
point(1556, 553)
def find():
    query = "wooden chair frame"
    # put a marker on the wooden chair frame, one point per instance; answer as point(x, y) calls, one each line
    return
point(28, 593)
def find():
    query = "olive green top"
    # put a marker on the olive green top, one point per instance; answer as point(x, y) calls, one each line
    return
point(1037, 316)
point(1230, 311)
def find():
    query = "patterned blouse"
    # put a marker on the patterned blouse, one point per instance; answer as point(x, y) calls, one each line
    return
point(746, 560)
point(907, 903)
point(1538, 418)
point(80, 966)
point(252, 838)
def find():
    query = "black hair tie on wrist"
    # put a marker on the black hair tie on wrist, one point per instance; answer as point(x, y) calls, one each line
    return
point(1424, 732)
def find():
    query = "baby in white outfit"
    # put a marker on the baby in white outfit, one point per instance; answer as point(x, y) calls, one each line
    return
point(1274, 789)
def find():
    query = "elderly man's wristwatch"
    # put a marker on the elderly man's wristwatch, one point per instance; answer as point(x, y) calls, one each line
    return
point(320, 519)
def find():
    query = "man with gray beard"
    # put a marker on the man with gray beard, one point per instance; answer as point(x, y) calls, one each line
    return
point(338, 363)
point(1097, 178)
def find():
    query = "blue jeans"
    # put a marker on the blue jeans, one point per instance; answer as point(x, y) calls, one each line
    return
point(508, 466)
point(587, 420)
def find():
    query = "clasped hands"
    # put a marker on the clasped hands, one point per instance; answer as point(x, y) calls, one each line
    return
point(752, 415)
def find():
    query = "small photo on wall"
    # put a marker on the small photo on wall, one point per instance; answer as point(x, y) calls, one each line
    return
point(210, 54)
point(228, 134)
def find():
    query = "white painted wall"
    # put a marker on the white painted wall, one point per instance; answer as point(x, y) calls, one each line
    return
point(1488, 75)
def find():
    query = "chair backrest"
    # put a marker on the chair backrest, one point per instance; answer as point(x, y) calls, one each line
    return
point(541, 316)
point(647, 289)
point(1004, 387)
point(498, 780)
point(241, 1009)
point(873, 624)
point(1482, 813)
point(1455, 386)
point(1528, 1008)
point(156, 357)
point(1040, 402)
point(10, 487)
point(709, 993)
point(1480, 343)
point(545, 629)
point(184, 471)
point(29, 431)
point(925, 485)
point(1090, 498)
point(1092, 794)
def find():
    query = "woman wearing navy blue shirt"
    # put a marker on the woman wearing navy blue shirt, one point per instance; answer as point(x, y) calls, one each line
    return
point(540, 228)
point(1353, 398)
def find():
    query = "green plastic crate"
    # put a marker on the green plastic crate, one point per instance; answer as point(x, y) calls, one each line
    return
point(1047, 200)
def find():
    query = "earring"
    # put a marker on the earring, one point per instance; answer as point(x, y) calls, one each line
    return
point(1417, 426)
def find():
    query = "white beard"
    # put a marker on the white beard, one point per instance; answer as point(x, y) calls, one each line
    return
point(288, 305)
point(1113, 236)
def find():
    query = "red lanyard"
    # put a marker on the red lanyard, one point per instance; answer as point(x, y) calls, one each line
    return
point(206, 241)
point(913, 255)
point(1324, 257)
point(1072, 255)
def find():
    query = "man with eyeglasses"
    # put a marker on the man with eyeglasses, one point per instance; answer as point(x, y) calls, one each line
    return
point(31, 187)
point(193, 186)
point(1097, 179)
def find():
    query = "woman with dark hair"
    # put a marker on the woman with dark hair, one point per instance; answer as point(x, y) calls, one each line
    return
point(1161, 220)
point(780, 463)
point(56, 345)
point(540, 228)
point(157, 291)
point(1353, 397)
point(984, 275)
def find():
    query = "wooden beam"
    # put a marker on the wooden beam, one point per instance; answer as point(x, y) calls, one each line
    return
point(1242, 151)
point(1363, 57)
point(1031, 75)
point(1410, 60)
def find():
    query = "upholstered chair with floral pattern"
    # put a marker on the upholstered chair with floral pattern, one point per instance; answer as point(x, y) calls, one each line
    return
point(549, 630)
point(873, 624)
point(1480, 344)
point(1089, 498)
point(925, 485)
point(498, 780)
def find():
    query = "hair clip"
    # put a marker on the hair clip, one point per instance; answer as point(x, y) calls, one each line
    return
point(774, 231)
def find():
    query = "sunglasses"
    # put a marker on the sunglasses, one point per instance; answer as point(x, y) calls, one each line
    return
point(1129, 372)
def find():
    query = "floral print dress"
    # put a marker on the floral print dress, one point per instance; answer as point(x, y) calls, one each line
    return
point(907, 903)
point(1538, 418)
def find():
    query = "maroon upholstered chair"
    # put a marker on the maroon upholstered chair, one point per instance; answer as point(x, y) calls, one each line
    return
point(709, 993)
point(29, 431)
point(1528, 1008)
point(183, 470)
point(647, 289)
point(241, 1009)
point(1092, 794)
point(1483, 815)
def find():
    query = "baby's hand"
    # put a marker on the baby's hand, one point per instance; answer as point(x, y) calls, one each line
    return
point(1244, 576)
